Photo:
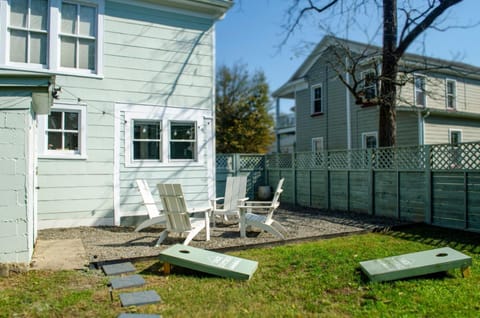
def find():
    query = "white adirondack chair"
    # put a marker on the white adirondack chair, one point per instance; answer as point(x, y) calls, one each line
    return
point(154, 215)
point(265, 221)
point(235, 195)
point(178, 215)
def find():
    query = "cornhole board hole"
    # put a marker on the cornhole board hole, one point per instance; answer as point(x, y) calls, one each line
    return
point(207, 261)
point(416, 264)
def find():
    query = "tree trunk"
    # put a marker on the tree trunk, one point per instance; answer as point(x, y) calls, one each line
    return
point(387, 120)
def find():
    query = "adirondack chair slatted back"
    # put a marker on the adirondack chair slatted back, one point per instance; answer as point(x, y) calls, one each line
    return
point(175, 207)
point(276, 199)
point(235, 189)
point(147, 197)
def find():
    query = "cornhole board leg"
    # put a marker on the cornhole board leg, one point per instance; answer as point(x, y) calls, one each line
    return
point(416, 264)
point(207, 261)
point(167, 268)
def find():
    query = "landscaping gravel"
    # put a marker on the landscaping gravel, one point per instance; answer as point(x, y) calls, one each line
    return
point(109, 243)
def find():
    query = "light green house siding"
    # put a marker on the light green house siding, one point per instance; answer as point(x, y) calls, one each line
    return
point(16, 234)
point(152, 59)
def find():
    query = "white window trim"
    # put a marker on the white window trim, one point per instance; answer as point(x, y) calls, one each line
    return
point(424, 89)
point(314, 140)
point(166, 115)
point(454, 93)
point(128, 146)
point(55, 154)
point(53, 56)
point(368, 134)
point(451, 130)
point(312, 101)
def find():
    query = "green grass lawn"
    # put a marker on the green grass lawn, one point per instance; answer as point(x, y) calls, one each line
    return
point(318, 279)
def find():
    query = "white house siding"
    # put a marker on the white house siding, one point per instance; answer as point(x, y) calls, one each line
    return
point(16, 216)
point(407, 129)
point(437, 129)
point(151, 57)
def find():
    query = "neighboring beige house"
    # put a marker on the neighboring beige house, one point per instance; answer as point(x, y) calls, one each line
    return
point(439, 101)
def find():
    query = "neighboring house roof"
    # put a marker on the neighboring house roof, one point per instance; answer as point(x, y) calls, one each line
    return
point(298, 78)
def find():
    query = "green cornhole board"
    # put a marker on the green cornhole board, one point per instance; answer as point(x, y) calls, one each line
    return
point(208, 262)
point(416, 264)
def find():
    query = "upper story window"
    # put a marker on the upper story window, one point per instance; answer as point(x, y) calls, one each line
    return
point(78, 36)
point(63, 37)
point(317, 105)
point(451, 93)
point(420, 93)
point(369, 84)
point(28, 30)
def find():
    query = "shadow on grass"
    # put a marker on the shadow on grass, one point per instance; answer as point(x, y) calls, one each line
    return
point(439, 237)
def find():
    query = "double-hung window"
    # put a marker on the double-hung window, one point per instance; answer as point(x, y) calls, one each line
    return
point(147, 140)
point(78, 36)
point(183, 144)
point(61, 36)
point(369, 84)
point(420, 93)
point(28, 30)
point(317, 107)
point(451, 93)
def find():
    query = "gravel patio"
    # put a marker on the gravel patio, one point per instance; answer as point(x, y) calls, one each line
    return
point(111, 243)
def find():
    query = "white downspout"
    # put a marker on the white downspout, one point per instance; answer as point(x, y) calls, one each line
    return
point(348, 107)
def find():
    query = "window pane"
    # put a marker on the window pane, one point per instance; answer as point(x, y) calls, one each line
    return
point(69, 18)
point(18, 13)
point(86, 54)
point(18, 46)
point(318, 93)
point(183, 131)
point(54, 140)
point(87, 21)
point(146, 130)
point(38, 16)
point(451, 87)
point(38, 48)
point(68, 55)
point(371, 141)
point(420, 98)
point(71, 141)
point(317, 106)
point(71, 121)
point(182, 150)
point(146, 150)
point(55, 120)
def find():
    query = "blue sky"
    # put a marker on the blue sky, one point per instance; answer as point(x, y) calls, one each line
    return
point(251, 33)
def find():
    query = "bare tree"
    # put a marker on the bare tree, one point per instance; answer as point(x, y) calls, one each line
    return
point(417, 17)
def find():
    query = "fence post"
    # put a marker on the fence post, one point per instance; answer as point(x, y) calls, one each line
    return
point(371, 183)
point(428, 186)
point(294, 178)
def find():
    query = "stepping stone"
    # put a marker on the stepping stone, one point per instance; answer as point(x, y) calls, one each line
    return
point(139, 298)
point(207, 261)
point(416, 264)
point(123, 315)
point(126, 281)
point(119, 268)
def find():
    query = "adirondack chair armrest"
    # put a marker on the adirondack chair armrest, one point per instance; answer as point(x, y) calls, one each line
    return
point(199, 210)
point(258, 203)
point(241, 202)
point(216, 205)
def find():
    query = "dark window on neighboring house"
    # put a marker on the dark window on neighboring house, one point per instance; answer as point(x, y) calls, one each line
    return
point(369, 84)
point(451, 93)
point(420, 94)
point(317, 106)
